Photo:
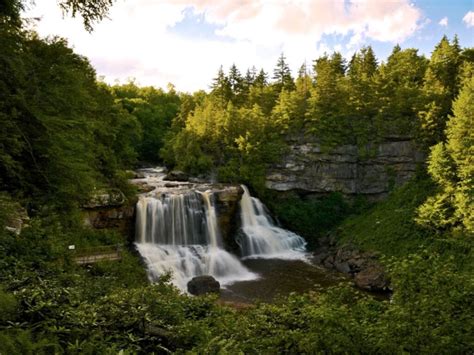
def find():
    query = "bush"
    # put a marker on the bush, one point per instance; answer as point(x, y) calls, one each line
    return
point(312, 217)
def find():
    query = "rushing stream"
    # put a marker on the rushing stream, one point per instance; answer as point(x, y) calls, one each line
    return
point(177, 231)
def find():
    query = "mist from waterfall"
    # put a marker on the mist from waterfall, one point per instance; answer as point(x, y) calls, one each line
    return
point(178, 233)
point(261, 238)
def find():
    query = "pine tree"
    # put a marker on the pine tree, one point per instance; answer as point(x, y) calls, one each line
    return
point(440, 88)
point(221, 87)
point(399, 85)
point(451, 165)
point(361, 98)
point(282, 76)
point(261, 79)
point(237, 86)
point(327, 110)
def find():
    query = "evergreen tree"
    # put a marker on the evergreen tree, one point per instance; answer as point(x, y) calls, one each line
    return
point(236, 83)
point(327, 110)
point(221, 87)
point(282, 76)
point(303, 82)
point(399, 90)
point(361, 96)
point(451, 165)
point(261, 79)
point(440, 88)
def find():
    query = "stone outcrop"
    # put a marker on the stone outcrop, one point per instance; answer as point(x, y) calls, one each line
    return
point(364, 267)
point(227, 208)
point(176, 175)
point(372, 278)
point(110, 210)
point(201, 285)
point(105, 198)
point(308, 168)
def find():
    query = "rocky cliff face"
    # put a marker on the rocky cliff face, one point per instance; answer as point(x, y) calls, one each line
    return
point(110, 210)
point(227, 207)
point(309, 169)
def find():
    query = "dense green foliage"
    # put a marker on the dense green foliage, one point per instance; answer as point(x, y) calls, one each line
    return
point(50, 305)
point(451, 165)
point(64, 136)
point(389, 226)
point(154, 110)
point(361, 103)
point(312, 217)
point(90, 11)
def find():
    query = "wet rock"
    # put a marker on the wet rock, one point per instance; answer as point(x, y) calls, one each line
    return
point(138, 175)
point(342, 267)
point(372, 278)
point(229, 194)
point(356, 264)
point(227, 205)
point(201, 285)
point(320, 254)
point(329, 262)
point(176, 175)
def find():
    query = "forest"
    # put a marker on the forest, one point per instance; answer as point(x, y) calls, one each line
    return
point(66, 135)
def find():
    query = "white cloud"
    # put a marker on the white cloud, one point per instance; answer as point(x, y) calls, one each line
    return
point(137, 41)
point(469, 19)
point(443, 22)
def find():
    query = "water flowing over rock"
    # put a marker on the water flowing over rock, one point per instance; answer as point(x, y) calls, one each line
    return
point(261, 238)
point(178, 231)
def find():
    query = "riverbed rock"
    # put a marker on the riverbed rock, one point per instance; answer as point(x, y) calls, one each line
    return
point(227, 200)
point(342, 267)
point(364, 266)
point(201, 285)
point(372, 278)
point(176, 175)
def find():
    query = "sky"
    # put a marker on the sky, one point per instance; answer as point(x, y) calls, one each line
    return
point(184, 42)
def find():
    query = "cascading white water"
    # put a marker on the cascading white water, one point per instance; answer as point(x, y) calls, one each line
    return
point(178, 233)
point(261, 238)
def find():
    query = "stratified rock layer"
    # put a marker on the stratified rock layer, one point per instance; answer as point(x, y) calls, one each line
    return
point(309, 168)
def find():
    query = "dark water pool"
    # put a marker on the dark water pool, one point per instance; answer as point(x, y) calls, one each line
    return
point(280, 278)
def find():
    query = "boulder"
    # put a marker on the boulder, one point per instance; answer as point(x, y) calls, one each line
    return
point(176, 175)
point(372, 278)
point(201, 285)
point(329, 262)
point(342, 267)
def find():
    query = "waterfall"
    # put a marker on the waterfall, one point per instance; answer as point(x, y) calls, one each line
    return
point(261, 238)
point(178, 233)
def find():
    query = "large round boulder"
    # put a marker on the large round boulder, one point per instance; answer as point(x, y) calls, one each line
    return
point(201, 285)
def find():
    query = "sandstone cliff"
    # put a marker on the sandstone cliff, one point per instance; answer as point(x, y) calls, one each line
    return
point(307, 168)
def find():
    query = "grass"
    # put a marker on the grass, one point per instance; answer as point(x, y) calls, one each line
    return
point(389, 226)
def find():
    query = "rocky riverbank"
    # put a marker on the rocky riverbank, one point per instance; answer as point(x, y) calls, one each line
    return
point(364, 267)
